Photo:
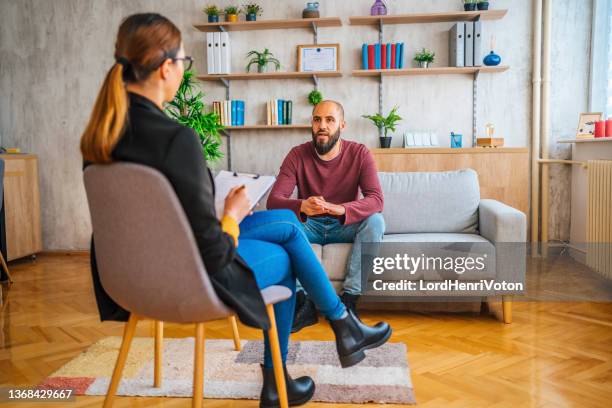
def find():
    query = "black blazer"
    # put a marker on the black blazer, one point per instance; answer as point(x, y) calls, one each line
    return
point(153, 139)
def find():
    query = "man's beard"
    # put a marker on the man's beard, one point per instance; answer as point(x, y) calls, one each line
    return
point(324, 148)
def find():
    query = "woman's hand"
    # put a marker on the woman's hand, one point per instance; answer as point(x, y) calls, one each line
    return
point(237, 204)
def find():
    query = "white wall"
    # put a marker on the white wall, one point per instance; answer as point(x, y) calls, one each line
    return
point(54, 55)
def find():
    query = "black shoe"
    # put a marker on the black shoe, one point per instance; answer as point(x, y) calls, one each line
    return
point(305, 312)
point(350, 301)
point(299, 391)
point(354, 337)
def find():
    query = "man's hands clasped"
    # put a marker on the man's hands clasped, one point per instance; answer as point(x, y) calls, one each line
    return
point(316, 205)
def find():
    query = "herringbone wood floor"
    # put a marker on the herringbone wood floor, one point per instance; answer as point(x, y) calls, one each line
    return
point(553, 355)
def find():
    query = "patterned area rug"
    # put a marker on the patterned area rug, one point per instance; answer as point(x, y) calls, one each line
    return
point(383, 377)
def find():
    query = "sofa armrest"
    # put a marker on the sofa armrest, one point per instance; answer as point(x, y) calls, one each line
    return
point(499, 222)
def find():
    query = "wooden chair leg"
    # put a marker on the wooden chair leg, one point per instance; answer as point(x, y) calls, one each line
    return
point(507, 308)
point(277, 361)
point(198, 367)
point(6, 269)
point(234, 324)
point(128, 335)
point(159, 346)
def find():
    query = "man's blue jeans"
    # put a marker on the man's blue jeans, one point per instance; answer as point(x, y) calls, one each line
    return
point(328, 230)
point(275, 247)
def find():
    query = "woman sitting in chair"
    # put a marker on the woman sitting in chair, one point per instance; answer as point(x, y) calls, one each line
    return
point(242, 252)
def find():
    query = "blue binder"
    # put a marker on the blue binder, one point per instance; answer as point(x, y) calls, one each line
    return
point(401, 58)
point(388, 56)
point(279, 112)
point(398, 47)
point(364, 56)
point(234, 113)
point(377, 56)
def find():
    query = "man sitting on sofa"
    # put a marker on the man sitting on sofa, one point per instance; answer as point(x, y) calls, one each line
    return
point(329, 173)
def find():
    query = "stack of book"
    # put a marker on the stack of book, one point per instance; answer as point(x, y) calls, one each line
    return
point(465, 44)
point(279, 112)
point(230, 113)
point(382, 56)
point(218, 54)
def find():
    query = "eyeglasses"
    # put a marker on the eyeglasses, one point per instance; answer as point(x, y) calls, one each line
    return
point(187, 62)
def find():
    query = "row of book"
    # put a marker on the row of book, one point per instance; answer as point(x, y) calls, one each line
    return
point(466, 44)
point(230, 113)
point(218, 53)
point(279, 112)
point(382, 56)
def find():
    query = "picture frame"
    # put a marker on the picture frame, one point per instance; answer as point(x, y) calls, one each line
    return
point(586, 124)
point(318, 57)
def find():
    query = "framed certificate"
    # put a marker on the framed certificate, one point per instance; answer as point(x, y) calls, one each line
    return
point(318, 57)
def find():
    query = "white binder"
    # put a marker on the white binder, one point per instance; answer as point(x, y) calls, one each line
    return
point(469, 44)
point(217, 53)
point(210, 64)
point(457, 45)
point(478, 43)
point(225, 53)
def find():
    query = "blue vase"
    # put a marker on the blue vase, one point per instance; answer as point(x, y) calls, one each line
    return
point(492, 59)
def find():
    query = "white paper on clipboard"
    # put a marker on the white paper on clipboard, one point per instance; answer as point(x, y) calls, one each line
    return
point(257, 186)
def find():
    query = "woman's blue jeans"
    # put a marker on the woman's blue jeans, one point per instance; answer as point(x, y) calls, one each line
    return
point(275, 246)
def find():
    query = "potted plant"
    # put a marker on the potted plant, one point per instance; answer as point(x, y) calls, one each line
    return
point(262, 59)
point(424, 58)
point(252, 10)
point(315, 97)
point(231, 14)
point(483, 4)
point(187, 108)
point(469, 5)
point(385, 123)
point(213, 13)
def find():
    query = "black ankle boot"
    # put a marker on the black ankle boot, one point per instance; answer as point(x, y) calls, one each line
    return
point(350, 302)
point(299, 391)
point(354, 337)
point(305, 312)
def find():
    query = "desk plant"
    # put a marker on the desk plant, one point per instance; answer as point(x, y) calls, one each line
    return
point(425, 57)
point(252, 10)
point(385, 123)
point(262, 59)
point(187, 108)
point(469, 5)
point(231, 14)
point(213, 13)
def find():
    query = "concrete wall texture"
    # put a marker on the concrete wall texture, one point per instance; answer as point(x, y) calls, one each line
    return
point(55, 54)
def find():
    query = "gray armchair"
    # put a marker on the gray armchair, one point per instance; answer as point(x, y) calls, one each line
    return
point(141, 233)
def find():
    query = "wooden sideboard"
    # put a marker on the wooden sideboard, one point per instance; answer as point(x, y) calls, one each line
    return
point(503, 172)
point(21, 205)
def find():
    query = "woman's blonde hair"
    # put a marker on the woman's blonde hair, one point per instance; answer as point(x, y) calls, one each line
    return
point(143, 43)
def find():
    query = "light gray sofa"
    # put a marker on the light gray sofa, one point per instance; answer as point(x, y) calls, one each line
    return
point(444, 207)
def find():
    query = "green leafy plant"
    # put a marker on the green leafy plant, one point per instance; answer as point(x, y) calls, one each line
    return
point(315, 97)
point(482, 1)
point(470, 1)
point(253, 8)
point(212, 10)
point(425, 55)
point(386, 123)
point(262, 59)
point(187, 108)
point(231, 10)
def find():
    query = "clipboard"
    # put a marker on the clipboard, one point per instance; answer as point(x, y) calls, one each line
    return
point(256, 187)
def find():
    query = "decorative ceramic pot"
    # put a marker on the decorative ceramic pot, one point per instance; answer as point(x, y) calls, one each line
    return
point(213, 18)
point(492, 59)
point(385, 141)
point(423, 64)
point(483, 5)
point(231, 18)
point(251, 17)
point(311, 10)
point(378, 8)
point(469, 6)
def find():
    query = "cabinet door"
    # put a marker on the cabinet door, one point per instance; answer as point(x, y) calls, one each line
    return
point(22, 207)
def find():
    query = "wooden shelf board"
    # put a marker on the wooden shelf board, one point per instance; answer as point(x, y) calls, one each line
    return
point(429, 71)
point(593, 140)
point(419, 18)
point(269, 75)
point(448, 150)
point(270, 24)
point(268, 127)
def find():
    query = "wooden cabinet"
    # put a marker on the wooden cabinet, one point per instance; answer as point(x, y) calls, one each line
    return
point(21, 205)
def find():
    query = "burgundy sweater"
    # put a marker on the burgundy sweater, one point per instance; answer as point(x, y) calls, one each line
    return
point(338, 181)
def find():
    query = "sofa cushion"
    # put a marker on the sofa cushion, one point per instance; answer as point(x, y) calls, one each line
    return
point(431, 201)
point(334, 260)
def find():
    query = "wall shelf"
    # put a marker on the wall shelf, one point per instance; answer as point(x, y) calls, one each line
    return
point(270, 75)
point(422, 18)
point(310, 23)
point(429, 71)
point(269, 127)
point(593, 140)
